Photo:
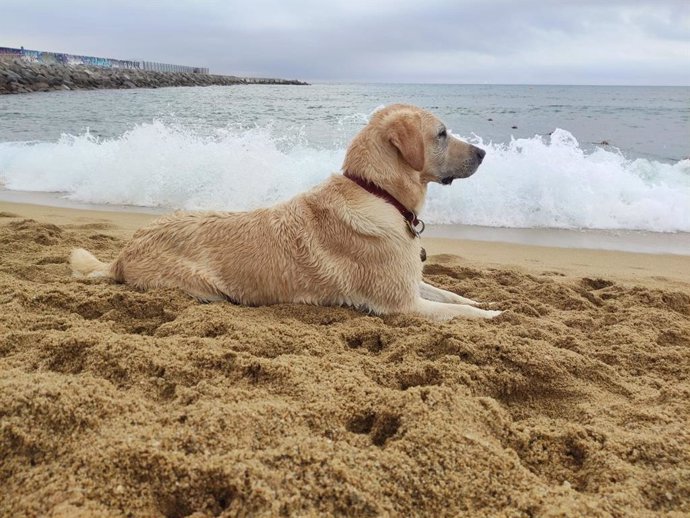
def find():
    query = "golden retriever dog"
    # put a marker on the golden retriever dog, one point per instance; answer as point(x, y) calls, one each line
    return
point(352, 240)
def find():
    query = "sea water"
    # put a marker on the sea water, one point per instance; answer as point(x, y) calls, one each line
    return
point(575, 157)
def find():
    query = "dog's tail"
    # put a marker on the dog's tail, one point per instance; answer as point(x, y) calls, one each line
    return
point(85, 264)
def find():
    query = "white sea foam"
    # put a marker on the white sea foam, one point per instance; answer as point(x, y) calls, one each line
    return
point(553, 182)
point(537, 182)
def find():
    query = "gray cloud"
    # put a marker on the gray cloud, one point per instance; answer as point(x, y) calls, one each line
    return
point(495, 41)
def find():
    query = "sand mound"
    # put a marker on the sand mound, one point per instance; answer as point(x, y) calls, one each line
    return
point(575, 402)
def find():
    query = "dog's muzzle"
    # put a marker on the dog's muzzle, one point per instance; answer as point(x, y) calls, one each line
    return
point(469, 167)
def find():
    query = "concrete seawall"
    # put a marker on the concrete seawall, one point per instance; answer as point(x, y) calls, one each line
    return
point(18, 76)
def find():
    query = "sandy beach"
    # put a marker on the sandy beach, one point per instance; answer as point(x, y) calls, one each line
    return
point(114, 402)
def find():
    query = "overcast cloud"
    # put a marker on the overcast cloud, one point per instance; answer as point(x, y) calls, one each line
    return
point(461, 41)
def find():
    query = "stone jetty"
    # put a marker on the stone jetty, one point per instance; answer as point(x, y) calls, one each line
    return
point(18, 76)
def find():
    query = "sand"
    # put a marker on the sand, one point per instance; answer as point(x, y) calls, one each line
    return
point(113, 402)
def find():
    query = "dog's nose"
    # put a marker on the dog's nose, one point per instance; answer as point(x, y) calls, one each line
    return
point(479, 153)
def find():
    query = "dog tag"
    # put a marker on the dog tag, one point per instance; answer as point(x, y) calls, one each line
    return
point(422, 254)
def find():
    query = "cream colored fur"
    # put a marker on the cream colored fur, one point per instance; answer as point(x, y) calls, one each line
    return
point(84, 264)
point(336, 244)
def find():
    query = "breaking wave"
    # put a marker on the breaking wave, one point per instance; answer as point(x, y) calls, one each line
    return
point(543, 181)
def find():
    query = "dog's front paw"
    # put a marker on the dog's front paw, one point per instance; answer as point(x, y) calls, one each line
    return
point(454, 298)
point(467, 311)
point(473, 312)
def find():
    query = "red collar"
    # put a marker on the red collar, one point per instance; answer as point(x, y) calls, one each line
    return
point(410, 217)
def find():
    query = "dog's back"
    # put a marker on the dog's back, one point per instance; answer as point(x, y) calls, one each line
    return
point(332, 245)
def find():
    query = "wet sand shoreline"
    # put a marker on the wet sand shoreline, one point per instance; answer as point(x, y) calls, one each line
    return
point(658, 243)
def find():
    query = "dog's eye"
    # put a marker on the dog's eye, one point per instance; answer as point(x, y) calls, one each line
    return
point(442, 133)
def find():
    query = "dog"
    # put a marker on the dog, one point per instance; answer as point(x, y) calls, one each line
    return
point(352, 240)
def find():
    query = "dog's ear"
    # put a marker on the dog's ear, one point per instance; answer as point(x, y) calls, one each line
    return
point(405, 133)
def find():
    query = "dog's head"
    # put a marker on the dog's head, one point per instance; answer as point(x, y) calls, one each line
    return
point(405, 140)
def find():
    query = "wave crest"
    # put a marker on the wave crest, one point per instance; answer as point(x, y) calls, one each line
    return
point(536, 182)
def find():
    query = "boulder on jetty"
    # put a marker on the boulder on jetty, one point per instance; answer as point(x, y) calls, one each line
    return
point(19, 76)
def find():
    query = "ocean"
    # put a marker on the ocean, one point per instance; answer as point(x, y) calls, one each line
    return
point(566, 157)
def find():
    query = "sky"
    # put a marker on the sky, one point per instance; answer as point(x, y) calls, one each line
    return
point(402, 41)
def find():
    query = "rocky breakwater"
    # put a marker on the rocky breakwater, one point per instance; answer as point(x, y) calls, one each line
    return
point(18, 76)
